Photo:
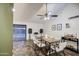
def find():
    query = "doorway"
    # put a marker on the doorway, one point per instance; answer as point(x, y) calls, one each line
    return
point(19, 32)
point(19, 37)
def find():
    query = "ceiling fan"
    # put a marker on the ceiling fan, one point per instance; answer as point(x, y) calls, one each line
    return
point(48, 14)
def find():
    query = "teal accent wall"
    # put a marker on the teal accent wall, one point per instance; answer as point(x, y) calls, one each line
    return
point(6, 24)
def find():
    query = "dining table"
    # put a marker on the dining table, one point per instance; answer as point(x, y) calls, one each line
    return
point(51, 42)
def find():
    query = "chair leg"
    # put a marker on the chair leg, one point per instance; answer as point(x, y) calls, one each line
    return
point(63, 53)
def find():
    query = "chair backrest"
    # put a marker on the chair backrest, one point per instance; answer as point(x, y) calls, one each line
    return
point(63, 44)
point(38, 43)
point(41, 44)
point(61, 47)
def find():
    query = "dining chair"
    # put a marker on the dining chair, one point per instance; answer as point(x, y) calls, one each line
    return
point(39, 44)
point(59, 47)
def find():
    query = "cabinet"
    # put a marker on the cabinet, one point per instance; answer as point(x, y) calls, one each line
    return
point(72, 43)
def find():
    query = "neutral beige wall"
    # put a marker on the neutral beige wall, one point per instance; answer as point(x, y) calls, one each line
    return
point(6, 23)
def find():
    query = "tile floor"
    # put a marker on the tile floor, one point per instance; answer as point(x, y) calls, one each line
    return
point(22, 48)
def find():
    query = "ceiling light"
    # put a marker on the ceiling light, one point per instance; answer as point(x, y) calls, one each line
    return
point(46, 18)
point(13, 10)
point(50, 13)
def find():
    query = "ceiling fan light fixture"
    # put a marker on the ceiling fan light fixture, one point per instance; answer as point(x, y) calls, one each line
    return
point(50, 13)
point(46, 18)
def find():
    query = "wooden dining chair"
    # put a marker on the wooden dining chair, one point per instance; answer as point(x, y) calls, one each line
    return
point(59, 48)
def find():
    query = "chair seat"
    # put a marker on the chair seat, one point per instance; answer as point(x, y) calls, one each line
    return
point(60, 47)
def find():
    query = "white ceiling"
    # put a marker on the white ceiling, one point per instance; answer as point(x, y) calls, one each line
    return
point(24, 11)
point(29, 11)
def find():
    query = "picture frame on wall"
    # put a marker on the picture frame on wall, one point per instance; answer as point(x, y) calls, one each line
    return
point(59, 26)
point(53, 27)
point(67, 25)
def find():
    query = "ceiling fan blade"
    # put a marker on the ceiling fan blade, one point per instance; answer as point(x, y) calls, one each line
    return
point(39, 15)
point(54, 15)
point(42, 17)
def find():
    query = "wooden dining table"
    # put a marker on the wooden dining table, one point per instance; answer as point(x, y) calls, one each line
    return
point(51, 41)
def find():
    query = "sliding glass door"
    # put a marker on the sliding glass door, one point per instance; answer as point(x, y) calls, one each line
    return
point(19, 32)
